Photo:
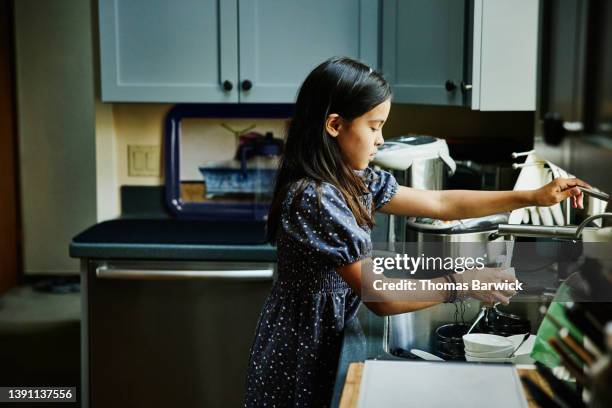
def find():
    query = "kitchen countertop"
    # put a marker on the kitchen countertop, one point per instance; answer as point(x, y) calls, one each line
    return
point(173, 239)
point(350, 391)
point(363, 339)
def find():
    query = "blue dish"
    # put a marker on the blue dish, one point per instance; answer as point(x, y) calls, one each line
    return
point(224, 180)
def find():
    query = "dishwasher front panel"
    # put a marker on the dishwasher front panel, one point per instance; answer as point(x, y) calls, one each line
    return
point(172, 334)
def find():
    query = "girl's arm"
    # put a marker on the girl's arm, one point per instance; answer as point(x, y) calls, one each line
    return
point(352, 275)
point(459, 204)
point(359, 276)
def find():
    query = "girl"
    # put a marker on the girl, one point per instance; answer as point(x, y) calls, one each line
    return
point(320, 218)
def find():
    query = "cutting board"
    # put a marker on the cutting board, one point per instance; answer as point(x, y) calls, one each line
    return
point(352, 385)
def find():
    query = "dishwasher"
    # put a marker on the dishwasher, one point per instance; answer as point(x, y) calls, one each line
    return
point(169, 333)
point(171, 294)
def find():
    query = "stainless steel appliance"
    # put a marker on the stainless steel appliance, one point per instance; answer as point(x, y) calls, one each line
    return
point(420, 161)
point(417, 161)
point(169, 333)
point(473, 230)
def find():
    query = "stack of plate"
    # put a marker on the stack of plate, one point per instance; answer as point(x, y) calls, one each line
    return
point(491, 348)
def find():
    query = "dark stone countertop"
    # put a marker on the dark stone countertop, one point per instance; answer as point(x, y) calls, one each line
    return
point(174, 239)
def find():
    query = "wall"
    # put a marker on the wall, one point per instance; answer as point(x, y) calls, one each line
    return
point(55, 104)
point(9, 224)
point(458, 122)
point(119, 125)
point(142, 124)
point(585, 157)
point(138, 123)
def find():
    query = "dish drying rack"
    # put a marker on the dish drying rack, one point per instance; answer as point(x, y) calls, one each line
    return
point(553, 221)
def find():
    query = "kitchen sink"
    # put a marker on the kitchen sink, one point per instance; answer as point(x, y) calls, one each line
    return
point(406, 331)
point(416, 329)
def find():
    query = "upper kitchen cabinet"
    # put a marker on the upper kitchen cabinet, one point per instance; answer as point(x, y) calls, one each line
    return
point(226, 50)
point(169, 51)
point(281, 41)
point(476, 53)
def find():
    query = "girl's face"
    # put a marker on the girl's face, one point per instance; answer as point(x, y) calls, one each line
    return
point(359, 139)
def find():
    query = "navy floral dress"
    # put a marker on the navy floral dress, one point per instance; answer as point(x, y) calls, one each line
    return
point(294, 355)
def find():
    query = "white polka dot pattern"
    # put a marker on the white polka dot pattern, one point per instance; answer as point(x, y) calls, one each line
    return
point(295, 351)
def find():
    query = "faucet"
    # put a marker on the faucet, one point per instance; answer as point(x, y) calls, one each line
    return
point(584, 223)
point(540, 231)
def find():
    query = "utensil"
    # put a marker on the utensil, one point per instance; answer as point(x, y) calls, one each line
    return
point(595, 193)
point(425, 355)
point(580, 352)
point(589, 328)
point(561, 390)
point(525, 337)
point(478, 318)
point(540, 397)
point(568, 336)
point(568, 362)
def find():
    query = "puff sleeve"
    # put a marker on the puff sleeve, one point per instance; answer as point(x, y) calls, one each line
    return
point(383, 187)
point(329, 232)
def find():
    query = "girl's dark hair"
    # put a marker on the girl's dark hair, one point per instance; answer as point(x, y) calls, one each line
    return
point(339, 85)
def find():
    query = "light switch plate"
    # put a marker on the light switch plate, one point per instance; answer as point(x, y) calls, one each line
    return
point(143, 160)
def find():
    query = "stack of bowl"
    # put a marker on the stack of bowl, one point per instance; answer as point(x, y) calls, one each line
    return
point(480, 347)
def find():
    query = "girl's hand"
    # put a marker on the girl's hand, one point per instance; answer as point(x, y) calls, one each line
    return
point(558, 190)
point(488, 276)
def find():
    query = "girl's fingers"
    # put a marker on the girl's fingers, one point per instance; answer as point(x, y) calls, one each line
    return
point(509, 293)
point(565, 183)
point(501, 298)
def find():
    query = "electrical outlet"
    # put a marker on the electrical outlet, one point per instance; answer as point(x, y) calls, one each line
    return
point(143, 160)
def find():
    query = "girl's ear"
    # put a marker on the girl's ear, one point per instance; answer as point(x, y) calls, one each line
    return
point(333, 124)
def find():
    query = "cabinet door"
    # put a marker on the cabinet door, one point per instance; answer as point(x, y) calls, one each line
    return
point(168, 51)
point(505, 55)
point(423, 47)
point(281, 41)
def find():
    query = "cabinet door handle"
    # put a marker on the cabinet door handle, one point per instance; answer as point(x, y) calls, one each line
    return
point(104, 272)
point(465, 87)
point(227, 85)
point(450, 85)
point(247, 85)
